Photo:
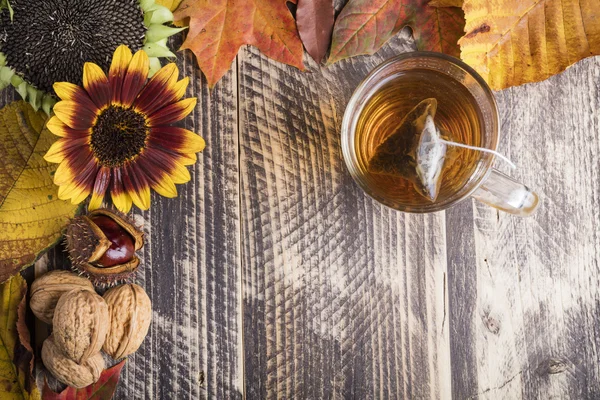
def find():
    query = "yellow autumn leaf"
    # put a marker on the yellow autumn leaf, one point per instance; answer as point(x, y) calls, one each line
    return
point(31, 215)
point(16, 382)
point(511, 42)
point(170, 4)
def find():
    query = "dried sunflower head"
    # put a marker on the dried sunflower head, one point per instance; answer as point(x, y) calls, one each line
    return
point(49, 41)
point(116, 134)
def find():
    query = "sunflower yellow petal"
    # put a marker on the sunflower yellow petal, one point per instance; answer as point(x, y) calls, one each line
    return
point(56, 126)
point(55, 153)
point(96, 85)
point(93, 75)
point(180, 87)
point(80, 194)
point(188, 159)
point(120, 61)
point(95, 201)
point(179, 173)
point(165, 187)
point(65, 90)
point(139, 63)
point(64, 174)
point(74, 114)
point(73, 191)
point(122, 201)
point(141, 197)
point(193, 143)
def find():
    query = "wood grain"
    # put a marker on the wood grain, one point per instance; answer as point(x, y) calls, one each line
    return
point(342, 297)
point(533, 330)
point(192, 265)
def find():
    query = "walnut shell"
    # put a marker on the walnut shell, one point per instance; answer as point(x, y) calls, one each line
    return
point(66, 370)
point(80, 322)
point(130, 314)
point(48, 288)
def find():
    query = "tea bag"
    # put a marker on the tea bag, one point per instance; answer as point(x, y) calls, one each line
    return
point(416, 151)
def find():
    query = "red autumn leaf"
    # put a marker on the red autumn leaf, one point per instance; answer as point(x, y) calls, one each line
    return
point(104, 389)
point(315, 24)
point(364, 26)
point(218, 28)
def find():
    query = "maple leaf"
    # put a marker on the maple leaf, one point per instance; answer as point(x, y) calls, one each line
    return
point(364, 26)
point(514, 42)
point(104, 389)
point(218, 28)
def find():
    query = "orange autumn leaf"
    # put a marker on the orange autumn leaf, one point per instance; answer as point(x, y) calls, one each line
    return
point(513, 42)
point(218, 28)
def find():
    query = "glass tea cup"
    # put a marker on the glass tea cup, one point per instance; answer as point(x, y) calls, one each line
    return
point(466, 107)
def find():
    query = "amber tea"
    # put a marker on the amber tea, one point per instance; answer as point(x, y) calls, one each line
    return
point(457, 115)
point(420, 166)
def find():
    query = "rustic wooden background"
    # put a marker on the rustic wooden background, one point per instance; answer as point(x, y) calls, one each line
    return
point(273, 276)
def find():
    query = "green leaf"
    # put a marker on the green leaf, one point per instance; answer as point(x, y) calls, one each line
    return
point(16, 382)
point(104, 389)
point(31, 215)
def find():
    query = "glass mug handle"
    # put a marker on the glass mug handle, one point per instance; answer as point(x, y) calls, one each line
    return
point(504, 193)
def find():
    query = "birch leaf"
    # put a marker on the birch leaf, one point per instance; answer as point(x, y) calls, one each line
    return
point(31, 215)
point(514, 42)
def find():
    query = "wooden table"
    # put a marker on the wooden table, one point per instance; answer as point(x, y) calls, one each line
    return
point(273, 275)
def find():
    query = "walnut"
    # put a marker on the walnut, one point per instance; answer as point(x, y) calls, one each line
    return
point(130, 314)
point(81, 322)
point(66, 370)
point(47, 289)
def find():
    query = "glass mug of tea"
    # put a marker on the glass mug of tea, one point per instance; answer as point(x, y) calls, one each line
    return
point(467, 114)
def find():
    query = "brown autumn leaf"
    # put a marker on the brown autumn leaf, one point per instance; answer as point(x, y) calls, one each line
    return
point(513, 42)
point(315, 25)
point(104, 389)
point(364, 26)
point(446, 3)
point(218, 28)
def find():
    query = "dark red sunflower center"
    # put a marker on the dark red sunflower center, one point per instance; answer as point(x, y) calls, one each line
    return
point(119, 135)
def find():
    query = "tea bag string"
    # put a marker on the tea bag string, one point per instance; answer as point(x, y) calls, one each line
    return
point(482, 149)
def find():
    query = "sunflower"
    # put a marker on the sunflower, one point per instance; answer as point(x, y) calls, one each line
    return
point(48, 41)
point(115, 133)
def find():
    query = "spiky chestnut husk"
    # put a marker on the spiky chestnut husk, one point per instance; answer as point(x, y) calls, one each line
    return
point(48, 41)
point(88, 247)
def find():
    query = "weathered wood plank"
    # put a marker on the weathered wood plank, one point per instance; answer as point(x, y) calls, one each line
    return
point(343, 297)
point(533, 326)
point(192, 265)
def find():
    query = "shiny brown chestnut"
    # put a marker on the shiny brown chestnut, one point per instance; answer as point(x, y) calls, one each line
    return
point(102, 246)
